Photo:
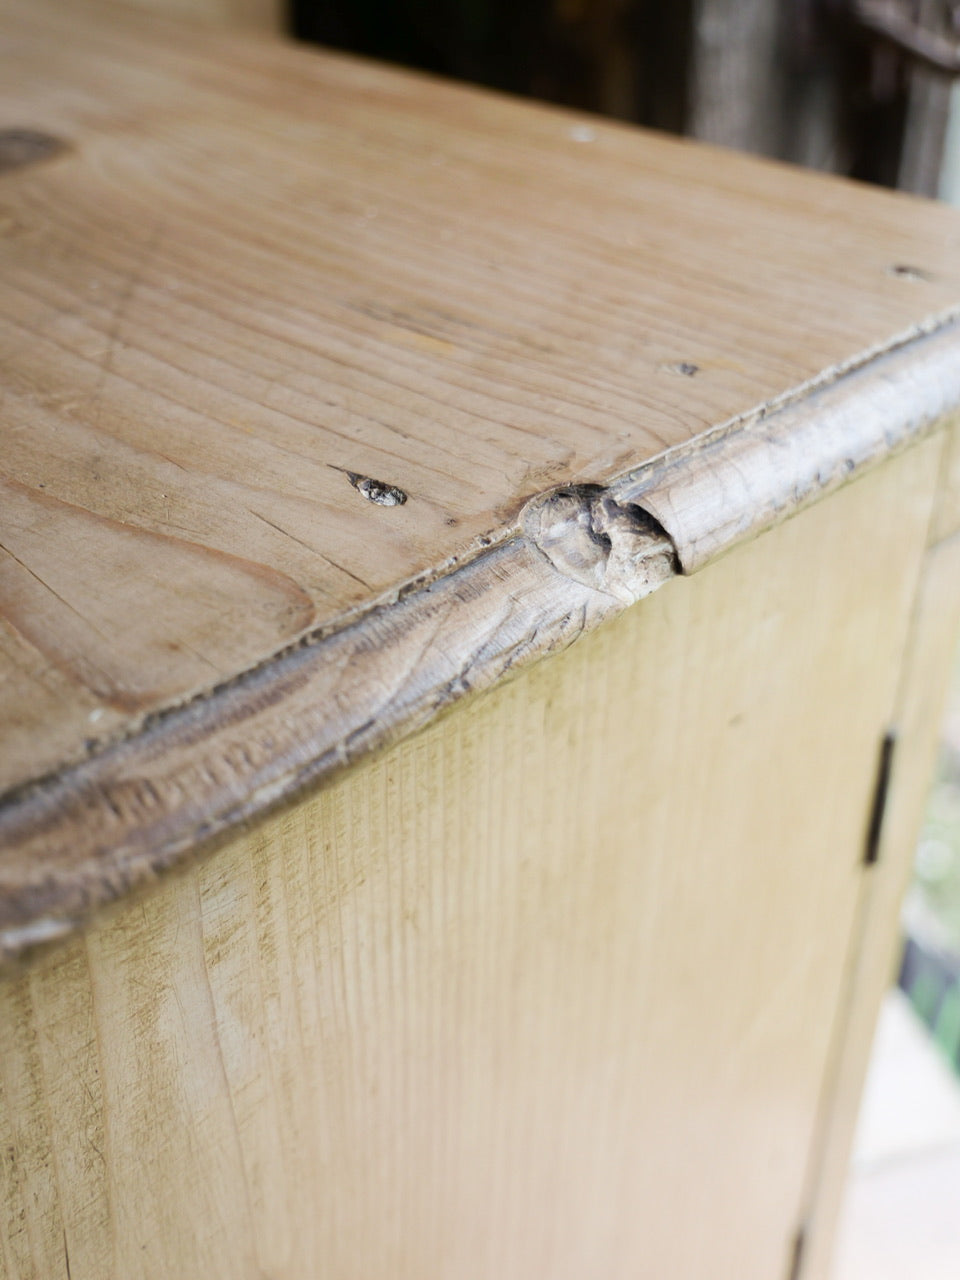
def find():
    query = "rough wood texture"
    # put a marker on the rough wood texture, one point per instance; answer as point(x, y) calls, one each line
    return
point(482, 1007)
point(742, 479)
point(91, 833)
point(260, 294)
point(94, 832)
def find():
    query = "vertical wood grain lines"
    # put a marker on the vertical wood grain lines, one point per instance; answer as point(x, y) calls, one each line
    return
point(502, 1000)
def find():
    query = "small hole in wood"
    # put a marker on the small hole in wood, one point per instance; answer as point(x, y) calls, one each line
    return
point(906, 272)
point(384, 495)
point(685, 368)
point(19, 147)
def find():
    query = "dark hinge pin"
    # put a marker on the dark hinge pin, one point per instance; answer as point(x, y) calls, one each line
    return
point(796, 1257)
point(881, 787)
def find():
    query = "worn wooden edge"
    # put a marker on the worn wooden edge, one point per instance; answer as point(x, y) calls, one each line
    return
point(76, 842)
point(126, 816)
point(730, 484)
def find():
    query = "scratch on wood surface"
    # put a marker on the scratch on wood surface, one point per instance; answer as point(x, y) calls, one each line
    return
point(314, 550)
point(124, 299)
point(56, 594)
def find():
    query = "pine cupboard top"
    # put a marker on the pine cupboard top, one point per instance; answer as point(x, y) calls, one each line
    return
point(329, 393)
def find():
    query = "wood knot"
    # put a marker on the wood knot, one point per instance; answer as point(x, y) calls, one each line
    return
point(616, 548)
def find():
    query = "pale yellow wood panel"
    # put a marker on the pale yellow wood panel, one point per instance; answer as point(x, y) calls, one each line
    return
point(546, 990)
point(946, 519)
point(253, 269)
point(917, 719)
point(51, 1082)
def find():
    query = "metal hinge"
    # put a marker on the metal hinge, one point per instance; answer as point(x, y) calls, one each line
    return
point(881, 788)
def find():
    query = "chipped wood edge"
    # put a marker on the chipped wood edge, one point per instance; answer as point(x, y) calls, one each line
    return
point(108, 826)
point(733, 483)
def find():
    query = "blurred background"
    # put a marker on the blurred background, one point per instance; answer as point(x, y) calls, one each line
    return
point(859, 87)
point(865, 88)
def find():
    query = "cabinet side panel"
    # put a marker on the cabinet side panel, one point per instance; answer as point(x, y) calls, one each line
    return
point(946, 516)
point(930, 657)
point(546, 990)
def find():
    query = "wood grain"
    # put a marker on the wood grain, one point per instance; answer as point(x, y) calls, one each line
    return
point(255, 269)
point(85, 836)
point(547, 989)
point(88, 835)
point(744, 478)
point(258, 15)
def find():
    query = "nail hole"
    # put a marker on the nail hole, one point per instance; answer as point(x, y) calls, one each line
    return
point(685, 368)
point(384, 495)
point(19, 147)
point(906, 272)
